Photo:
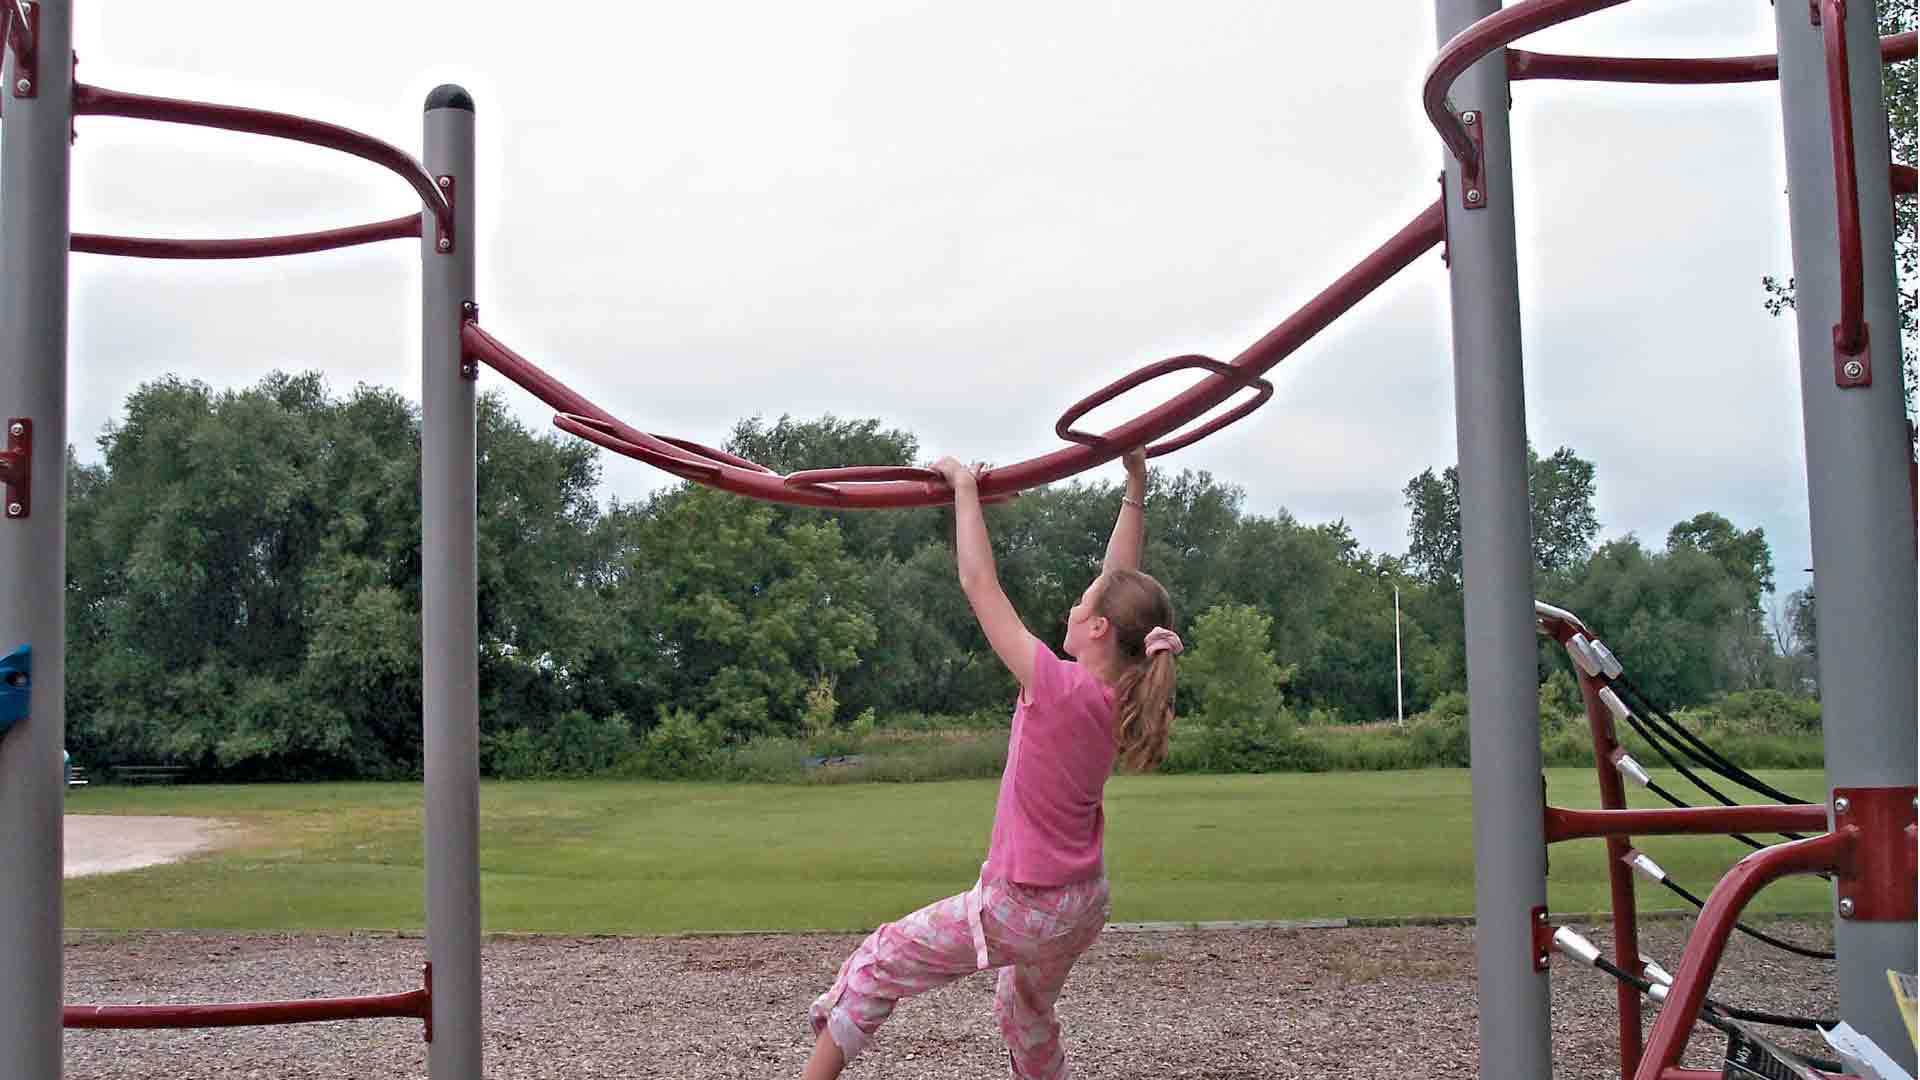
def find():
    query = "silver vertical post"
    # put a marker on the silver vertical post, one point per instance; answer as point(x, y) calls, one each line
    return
point(34, 205)
point(1509, 841)
point(1857, 494)
point(1399, 685)
point(449, 618)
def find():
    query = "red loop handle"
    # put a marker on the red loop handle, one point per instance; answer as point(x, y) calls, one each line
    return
point(1063, 427)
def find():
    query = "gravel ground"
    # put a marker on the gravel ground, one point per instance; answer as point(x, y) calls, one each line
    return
point(1365, 1003)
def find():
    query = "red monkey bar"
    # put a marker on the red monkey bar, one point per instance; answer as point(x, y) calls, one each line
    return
point(414, 1004)
point(872, 487)
point(96, 101)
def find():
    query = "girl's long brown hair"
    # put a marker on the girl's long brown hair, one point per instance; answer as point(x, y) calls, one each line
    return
point(1143, 711)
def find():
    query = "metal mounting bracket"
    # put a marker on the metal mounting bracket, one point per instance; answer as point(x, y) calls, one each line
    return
point(442, 235)
point(26, 45)
point(1852, 370)
point(1473, 188)
point(16, 468)
point(1542, 937)
point(469, 364)
point(1879, 885)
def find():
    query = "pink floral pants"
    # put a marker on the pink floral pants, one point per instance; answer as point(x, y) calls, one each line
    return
point(1032, 934)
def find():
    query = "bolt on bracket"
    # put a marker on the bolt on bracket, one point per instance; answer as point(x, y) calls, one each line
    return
point(1473, 187)
point(16, 468)
point(1542, 937)
point(1855, 369)
point(469, 364)
point(443, 234)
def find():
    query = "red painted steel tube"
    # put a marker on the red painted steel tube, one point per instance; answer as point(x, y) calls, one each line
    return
point(680, 458)
point(1626, 929)
point(1850, 333)
point(1694, 821)
point(1832, 852)
point(1469, 45)
point(415, 1004)
point(1902, 178)
point(98, 101)
point(252, 248)
point(1523, 65)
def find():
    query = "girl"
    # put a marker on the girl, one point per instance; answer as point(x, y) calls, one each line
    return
point(1042, 895)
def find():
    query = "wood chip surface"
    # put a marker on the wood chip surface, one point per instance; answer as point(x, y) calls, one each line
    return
point(1392, 1002)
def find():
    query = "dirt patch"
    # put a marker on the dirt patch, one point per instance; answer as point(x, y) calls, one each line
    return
point(111, 843)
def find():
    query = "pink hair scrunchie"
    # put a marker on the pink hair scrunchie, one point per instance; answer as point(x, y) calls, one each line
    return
point(1160, 639)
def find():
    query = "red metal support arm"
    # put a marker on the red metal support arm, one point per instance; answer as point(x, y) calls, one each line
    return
point(690, 461)
point(250, 248)
point(1850, 333)
point(1694, 821)
point(1832, 852)
point(1671, 71)
point(1468, 46)
point(97, 101)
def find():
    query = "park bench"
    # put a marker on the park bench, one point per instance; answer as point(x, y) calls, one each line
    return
point(147, 774)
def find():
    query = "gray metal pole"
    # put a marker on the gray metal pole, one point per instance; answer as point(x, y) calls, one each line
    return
point(1509, 841)
point(34, 206)
point(1399, 685)
point(1857, 490)
point(449, 612)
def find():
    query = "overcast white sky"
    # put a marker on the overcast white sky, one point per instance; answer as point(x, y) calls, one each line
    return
point(961, 218)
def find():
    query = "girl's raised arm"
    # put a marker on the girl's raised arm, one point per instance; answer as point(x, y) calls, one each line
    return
point(979, 579)
point(1129, 530)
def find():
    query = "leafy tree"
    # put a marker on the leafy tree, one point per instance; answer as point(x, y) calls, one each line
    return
point(1560, 493)
point(244, 568)
point(1744, 554)
point(1229, 670)
point(1668, 615)
point(729, 612)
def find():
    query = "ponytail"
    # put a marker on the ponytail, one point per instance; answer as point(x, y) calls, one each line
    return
point(1141, 614)
point(1143, 713)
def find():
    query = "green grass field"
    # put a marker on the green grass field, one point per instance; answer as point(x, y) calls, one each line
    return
point(653, 858)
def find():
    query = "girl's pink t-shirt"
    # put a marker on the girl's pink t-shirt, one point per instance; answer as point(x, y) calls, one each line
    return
point(1048, 825)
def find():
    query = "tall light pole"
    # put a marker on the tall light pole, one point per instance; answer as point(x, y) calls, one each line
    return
point(1399, 696)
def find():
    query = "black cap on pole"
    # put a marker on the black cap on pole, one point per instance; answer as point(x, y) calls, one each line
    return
point(449, 96)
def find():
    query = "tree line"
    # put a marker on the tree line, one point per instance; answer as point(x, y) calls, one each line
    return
point(244, 588)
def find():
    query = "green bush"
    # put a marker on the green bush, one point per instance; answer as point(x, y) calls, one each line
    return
point(1231, 672)
point(979, 757)
point(680, 747)
point(514, 754)
point(765, 759)
point(1765, 712)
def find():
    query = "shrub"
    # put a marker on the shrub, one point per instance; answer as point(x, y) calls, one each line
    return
point(1766, 712)
point(680, 747)
point(1231, 671)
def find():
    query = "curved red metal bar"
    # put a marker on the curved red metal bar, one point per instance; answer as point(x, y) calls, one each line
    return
point(689, 461)
point(98, 101)
point(1693, 821)
point(414, 1004)
point(1063, 427)
point(1468, 46)
point(142, 247)
point(1523, 65)
point(1850, 333)
point(1708, 940)
point(1903, 179)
